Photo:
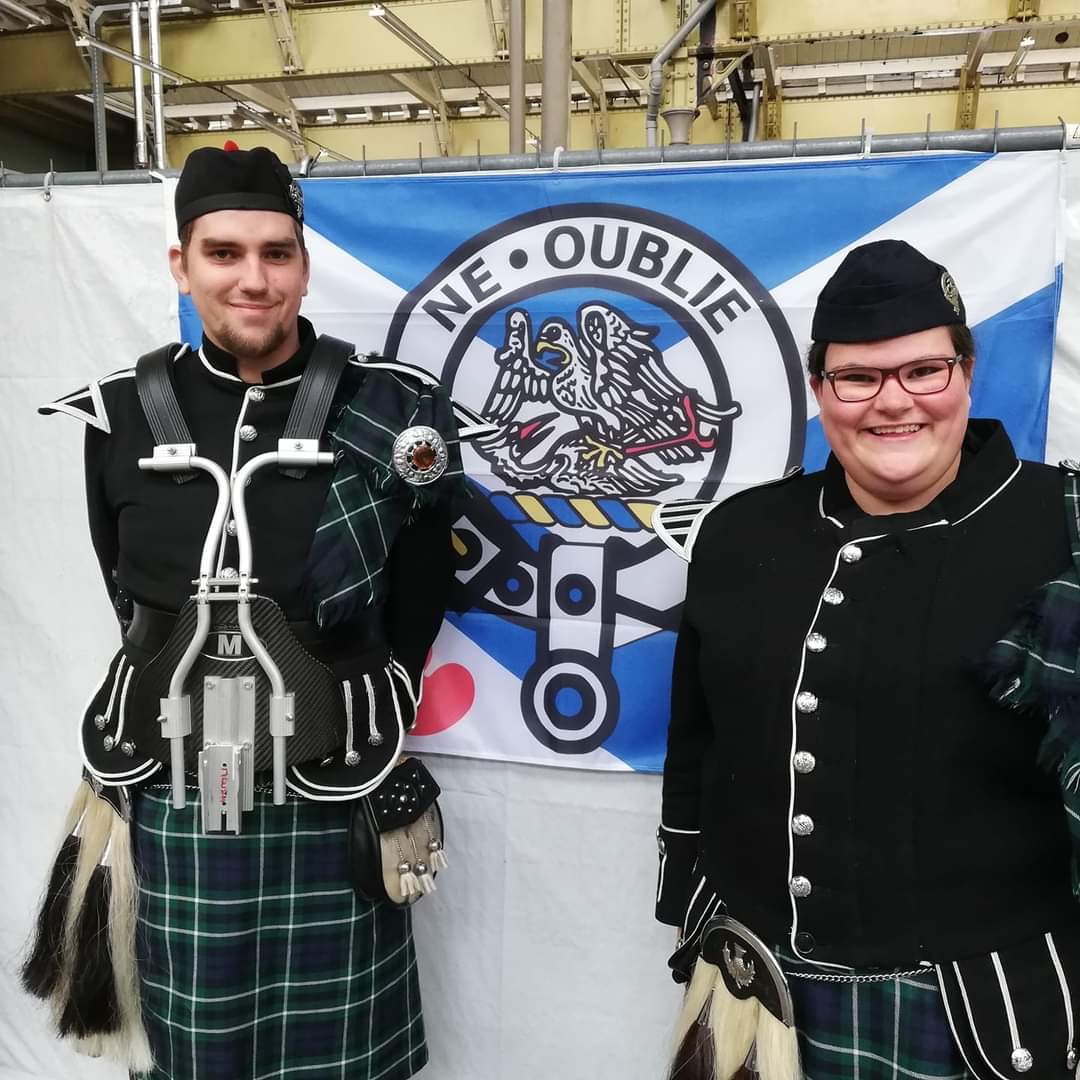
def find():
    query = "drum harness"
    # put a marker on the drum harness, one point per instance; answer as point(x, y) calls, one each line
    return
point(226, 773)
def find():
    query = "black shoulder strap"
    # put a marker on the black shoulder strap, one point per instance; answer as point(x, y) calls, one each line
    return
point(153, 383)
point(310, 407)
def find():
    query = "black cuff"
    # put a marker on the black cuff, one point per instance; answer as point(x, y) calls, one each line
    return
point(678, 850)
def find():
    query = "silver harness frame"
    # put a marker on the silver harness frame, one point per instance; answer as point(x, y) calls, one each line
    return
point(226, 761)
point(226, 764)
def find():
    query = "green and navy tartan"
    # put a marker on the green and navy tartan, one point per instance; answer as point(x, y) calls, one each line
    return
point(368, 501)
point(1036, 667)
point(258, 960)
point(892, 1029)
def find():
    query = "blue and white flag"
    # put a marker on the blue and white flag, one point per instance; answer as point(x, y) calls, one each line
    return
point(685, 295)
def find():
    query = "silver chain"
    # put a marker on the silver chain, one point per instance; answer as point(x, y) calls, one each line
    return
point(883, 977)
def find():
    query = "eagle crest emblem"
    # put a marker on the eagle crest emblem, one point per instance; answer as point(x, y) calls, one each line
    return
point(592, 408)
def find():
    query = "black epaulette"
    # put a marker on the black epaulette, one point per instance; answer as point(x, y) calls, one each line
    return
point(678, 523)
point(88, 403)
point(470, 424)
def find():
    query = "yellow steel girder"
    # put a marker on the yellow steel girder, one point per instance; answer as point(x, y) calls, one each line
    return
point(338, 40)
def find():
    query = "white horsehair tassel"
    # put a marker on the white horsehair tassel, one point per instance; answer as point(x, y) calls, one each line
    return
point(407, 880)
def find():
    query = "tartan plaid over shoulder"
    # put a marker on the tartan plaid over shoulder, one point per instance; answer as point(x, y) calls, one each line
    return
point(1036, 666)
point(369, 502)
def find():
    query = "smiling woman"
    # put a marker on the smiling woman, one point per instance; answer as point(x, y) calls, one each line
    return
point(838, 779)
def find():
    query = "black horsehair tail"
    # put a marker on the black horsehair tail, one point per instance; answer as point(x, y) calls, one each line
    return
point(92, 1006)
point(40, 973)
point(44, 970)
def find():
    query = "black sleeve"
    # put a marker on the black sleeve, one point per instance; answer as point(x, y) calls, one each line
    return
point(420, 569)
point(689, 734)
point(102, 518)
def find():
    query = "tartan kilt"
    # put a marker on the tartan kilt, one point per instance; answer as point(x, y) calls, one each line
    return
point(257, 959)
point(895, 1029)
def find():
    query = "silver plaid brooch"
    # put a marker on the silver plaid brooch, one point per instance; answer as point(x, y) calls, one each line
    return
point(420, 455)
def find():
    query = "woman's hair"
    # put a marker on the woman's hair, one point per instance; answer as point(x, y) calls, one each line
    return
point(962, 341)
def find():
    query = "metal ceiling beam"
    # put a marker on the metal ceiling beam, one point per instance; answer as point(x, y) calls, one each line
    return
point(28, 15)
point(277, 13)
point(424, 86)
point(1018, 57)
point(401, 30)
point(338, 41)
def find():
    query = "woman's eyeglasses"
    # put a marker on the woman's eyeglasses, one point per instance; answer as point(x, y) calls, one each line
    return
point(927, 376)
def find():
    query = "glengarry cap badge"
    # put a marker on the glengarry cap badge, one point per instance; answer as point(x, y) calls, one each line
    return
point(950, 291)
point(297, 197)
point(420, 455)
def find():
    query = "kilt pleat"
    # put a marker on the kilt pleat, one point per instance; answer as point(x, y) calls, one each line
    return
point(894, 1029)
point(257, 960)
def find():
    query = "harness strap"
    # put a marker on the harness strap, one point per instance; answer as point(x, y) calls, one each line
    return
point(153, 383)
point(310, 407)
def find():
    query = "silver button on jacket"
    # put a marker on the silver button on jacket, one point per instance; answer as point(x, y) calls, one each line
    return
point(802, 824)
point(806, 702)
point(800, 887)
point(804, 762)
point(247, 433)
point(851, 553)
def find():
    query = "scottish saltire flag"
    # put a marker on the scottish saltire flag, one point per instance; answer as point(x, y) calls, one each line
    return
point(638, 335)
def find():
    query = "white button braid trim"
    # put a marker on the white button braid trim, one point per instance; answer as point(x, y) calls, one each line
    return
point(236, 378)
point(790, 837)
point(952, 1024)
point(1066, 996)
point(1019, 1054)
point(233, 465)
point(971, 1022)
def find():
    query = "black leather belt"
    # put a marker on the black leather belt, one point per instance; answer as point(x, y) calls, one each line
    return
point(150, 629)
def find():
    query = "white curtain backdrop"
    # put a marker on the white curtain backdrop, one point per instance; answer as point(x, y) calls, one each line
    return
point(539, 956)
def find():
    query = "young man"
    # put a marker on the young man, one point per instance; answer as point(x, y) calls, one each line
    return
point(255, 954)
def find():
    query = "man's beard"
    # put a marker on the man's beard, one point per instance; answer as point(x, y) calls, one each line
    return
point(251, 346)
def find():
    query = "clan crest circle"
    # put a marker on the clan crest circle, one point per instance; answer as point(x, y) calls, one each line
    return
point(627, 358)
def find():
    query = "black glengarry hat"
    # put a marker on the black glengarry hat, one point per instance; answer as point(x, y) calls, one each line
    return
point(233, 179)
point(884, 290)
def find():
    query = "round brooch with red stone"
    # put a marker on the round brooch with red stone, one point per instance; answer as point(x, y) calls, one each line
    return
point(420, 455)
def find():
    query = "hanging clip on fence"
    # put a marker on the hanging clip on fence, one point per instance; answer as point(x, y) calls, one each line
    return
point(867, 138)
point(1070, 134)
point(46, 192)
point(555, 158)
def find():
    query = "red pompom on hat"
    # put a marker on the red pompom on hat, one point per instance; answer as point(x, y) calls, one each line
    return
point(230, 145)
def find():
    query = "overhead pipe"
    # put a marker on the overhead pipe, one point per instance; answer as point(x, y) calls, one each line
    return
point(986, 141)
point(97, 82)
point(555, 99)
point(755, 106)
point(517, 76)
point(21, 11)
point(656, 68)
point(142, 159)
point(157, 95)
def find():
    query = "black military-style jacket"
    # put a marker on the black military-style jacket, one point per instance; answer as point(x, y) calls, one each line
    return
point(836, 772)
point(148, 532)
